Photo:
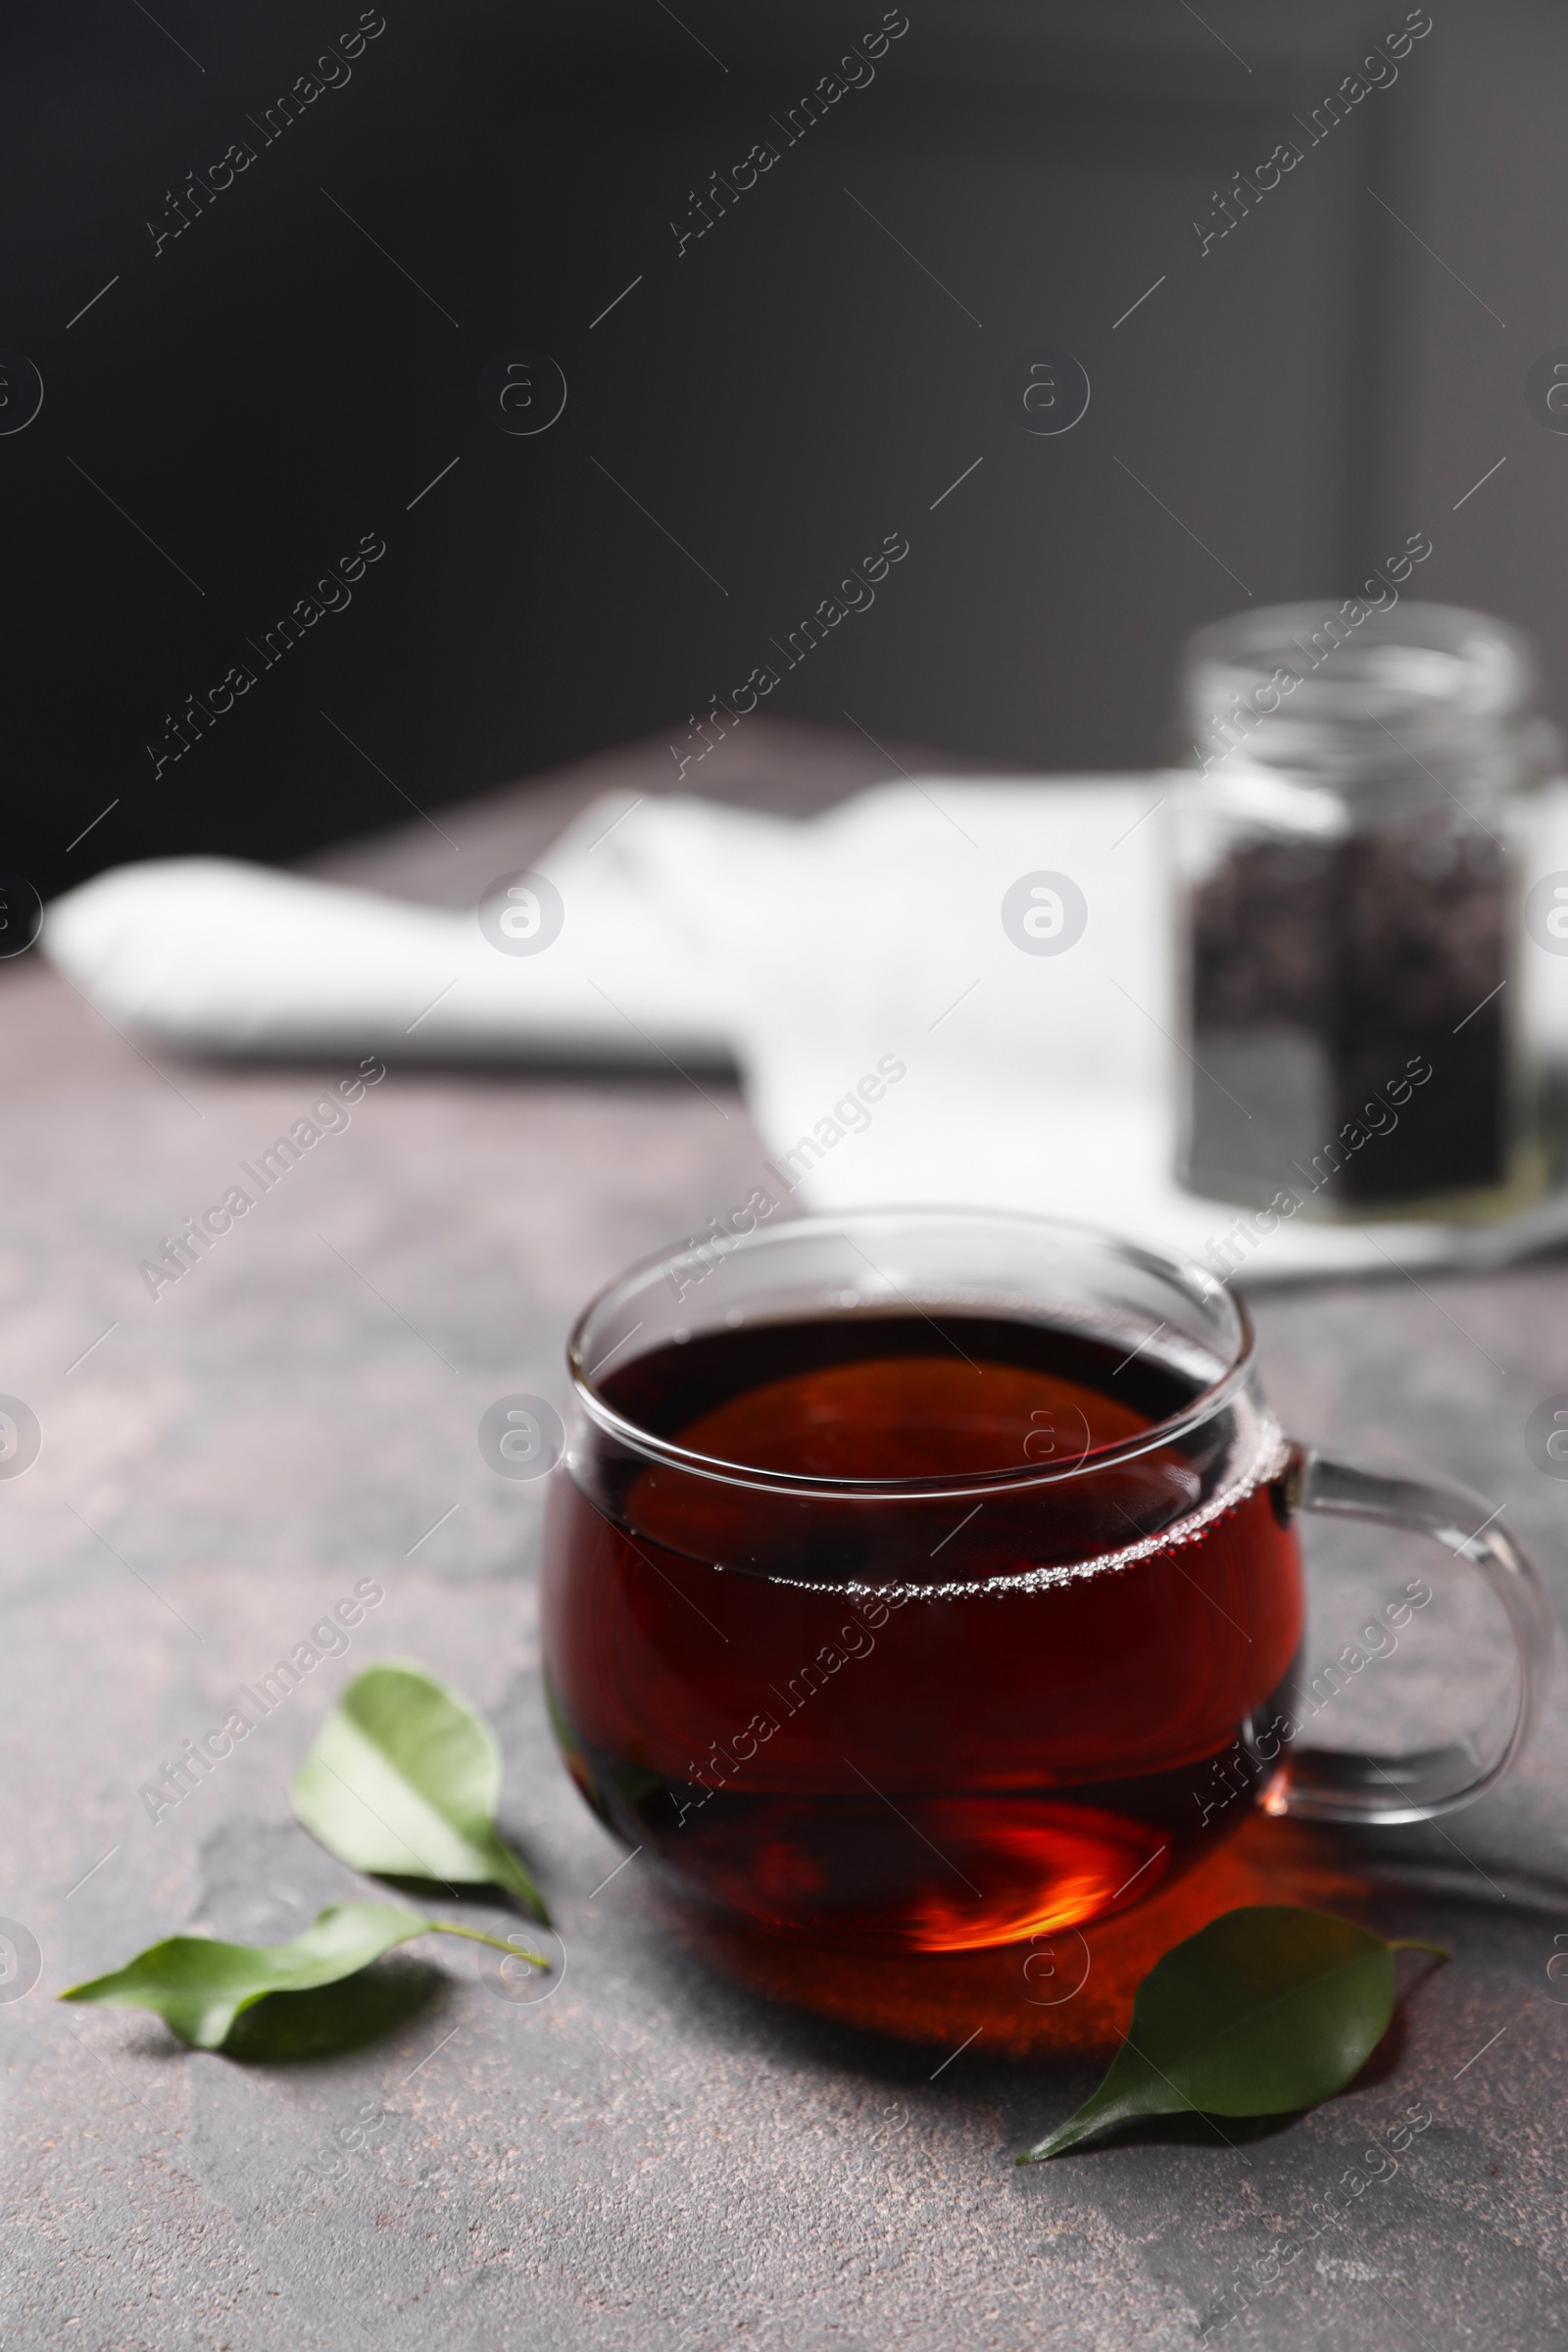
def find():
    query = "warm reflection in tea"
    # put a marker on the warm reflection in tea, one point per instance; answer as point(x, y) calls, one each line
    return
point(901, 1719)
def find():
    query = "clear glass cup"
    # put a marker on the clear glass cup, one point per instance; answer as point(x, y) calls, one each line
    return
point(944, 1709)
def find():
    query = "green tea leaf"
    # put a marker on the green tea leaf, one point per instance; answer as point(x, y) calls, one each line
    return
point(402, 1781)
point(198, 1985)
point(1265, 2010)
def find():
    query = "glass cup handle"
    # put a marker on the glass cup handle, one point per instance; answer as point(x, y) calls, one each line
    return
point(1330, 1784)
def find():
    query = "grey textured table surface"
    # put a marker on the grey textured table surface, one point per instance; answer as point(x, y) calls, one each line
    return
point(688, 2144)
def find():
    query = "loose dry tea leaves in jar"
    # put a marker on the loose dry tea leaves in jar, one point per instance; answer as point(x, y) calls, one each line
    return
point(1349, 853)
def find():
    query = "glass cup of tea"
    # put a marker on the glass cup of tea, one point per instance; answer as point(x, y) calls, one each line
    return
point(923, 1580)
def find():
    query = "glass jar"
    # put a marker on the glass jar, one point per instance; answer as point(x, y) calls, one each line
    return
point(1352, 833)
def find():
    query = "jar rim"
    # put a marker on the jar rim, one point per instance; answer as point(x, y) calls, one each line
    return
point(1367, 701)
point(1352, 663)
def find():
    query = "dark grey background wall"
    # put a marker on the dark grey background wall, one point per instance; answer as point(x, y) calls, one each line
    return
point(851, 336)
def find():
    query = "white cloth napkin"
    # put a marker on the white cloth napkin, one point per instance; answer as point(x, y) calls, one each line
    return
point(865, 945)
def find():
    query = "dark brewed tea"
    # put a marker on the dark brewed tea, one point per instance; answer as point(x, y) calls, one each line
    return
point(916, 1720)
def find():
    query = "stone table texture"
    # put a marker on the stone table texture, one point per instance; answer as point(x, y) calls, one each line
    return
point(695, 2143)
